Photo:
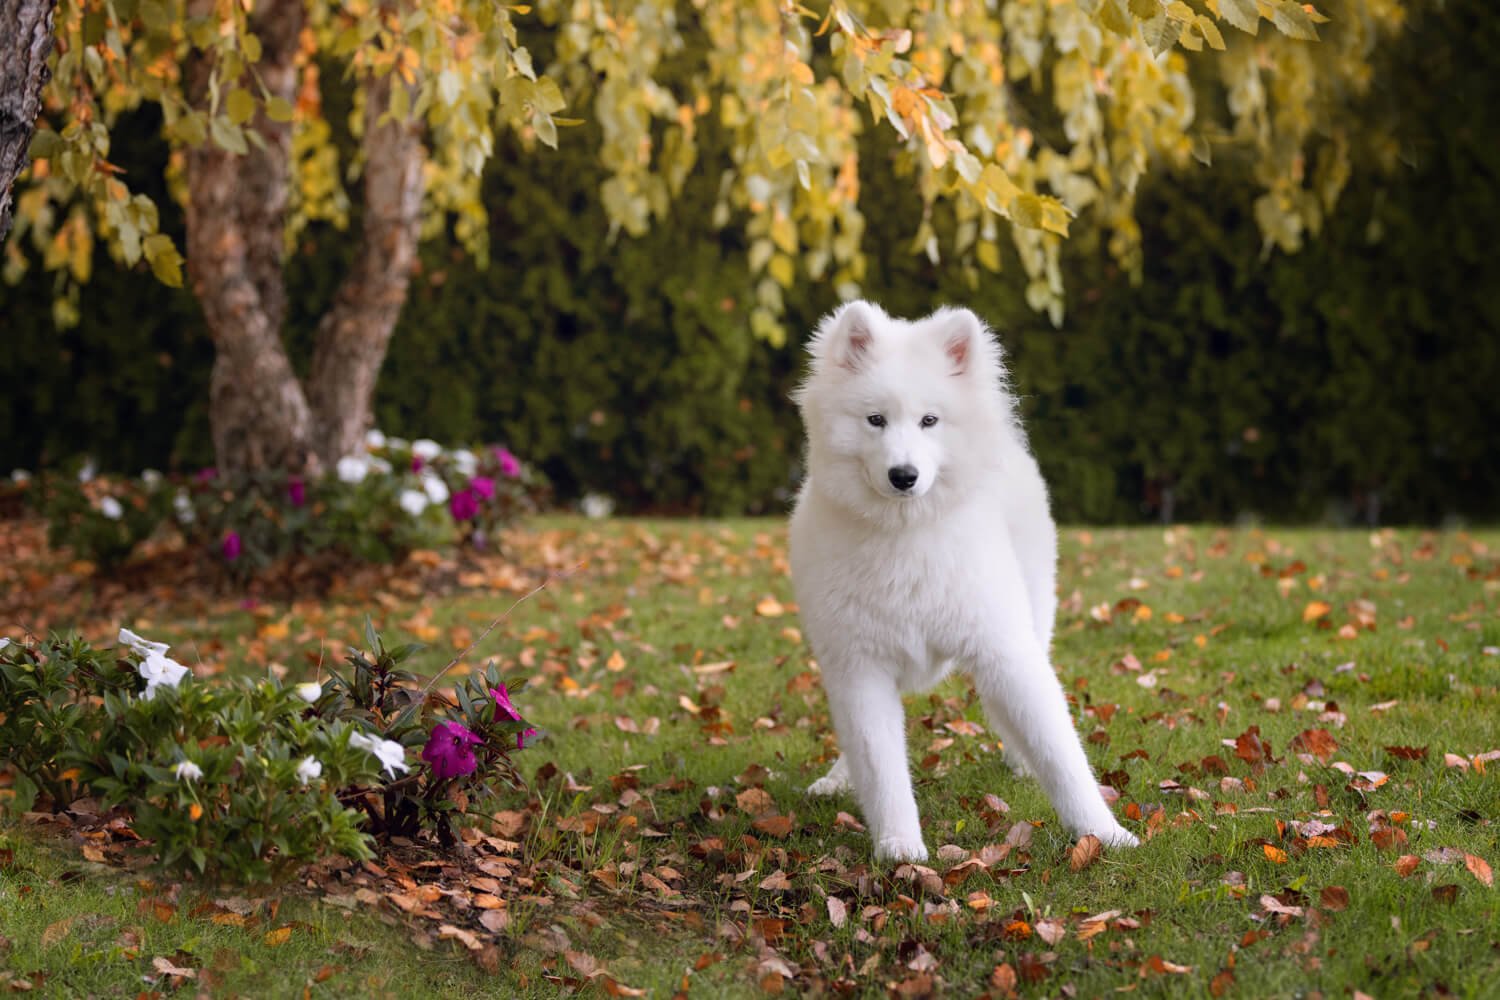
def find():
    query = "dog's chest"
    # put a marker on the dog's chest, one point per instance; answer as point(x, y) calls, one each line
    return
point(916, 596)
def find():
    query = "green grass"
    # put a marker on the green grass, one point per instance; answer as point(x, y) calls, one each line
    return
point(72, 928)
point(610, 655)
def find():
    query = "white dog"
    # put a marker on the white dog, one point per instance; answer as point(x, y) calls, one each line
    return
point(921, 543)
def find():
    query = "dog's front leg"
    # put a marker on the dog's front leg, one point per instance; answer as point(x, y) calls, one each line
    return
point(867, 713)
point(1024, 699)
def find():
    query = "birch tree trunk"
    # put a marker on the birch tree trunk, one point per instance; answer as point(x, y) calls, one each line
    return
point(25, 41)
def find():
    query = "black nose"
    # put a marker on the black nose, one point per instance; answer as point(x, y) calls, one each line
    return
point(903, 477)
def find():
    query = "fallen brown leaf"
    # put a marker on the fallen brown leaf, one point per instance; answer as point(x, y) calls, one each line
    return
point(774, 826)
point(1318, 742)
point(769, 607)
point(1004, 978)
point(1085, 852)
point(1334, 897)
point(755, 801)
point(1315, 610)
point(58, 931)
point(1480, 869)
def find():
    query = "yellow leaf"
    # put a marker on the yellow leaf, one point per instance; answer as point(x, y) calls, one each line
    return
point(278, 937)
point(240, 106)
point(989, 256)
point(784, 233)
point(783, 270)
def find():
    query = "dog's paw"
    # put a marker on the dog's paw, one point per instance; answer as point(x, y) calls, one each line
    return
point(1018, 766)
point(1116, 835)
point(900, 849)
point(828, 785)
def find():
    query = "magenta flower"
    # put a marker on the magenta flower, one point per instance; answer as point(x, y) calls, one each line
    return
point(417, 463)
point(523, 739)
point(450, 750)
point(296, 491)
point(503, 707)
point(510, 465)
point(207, 475)
point(464, 505)
point(482, 487)
point(230, 546)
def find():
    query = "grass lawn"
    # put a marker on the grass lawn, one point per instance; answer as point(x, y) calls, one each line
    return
point(1297, 722)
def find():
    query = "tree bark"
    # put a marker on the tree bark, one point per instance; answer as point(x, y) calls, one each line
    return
point(262, 415)
point(25, 41)
point(354, 333)
point(236, 214)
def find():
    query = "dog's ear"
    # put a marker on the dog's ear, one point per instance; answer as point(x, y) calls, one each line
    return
point(965, 340)
point(847, 335)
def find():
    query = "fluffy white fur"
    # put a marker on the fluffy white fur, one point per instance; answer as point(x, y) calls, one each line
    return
point(899, 586)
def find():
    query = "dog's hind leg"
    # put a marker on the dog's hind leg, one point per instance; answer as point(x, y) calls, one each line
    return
point(1023, 697)
point(1015, 757)
point(834, 782)
point(871, 724)
point(1033, 538)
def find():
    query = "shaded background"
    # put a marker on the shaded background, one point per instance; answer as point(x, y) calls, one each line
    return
point(1357, 381)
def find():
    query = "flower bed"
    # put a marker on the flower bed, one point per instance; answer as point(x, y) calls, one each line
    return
point(373, 507)
point(249, 780)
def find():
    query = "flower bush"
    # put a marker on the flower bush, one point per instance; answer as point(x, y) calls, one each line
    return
point(251, 779)
point(102, 522)
point(394, 497)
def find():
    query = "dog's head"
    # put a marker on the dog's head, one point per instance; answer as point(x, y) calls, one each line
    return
point(896, 410)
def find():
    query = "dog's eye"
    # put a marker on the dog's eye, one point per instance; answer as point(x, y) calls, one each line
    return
point(876, 420)
point(929, 420)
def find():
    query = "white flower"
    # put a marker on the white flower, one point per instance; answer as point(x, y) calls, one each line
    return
point(396, 444)
point(465, 461)
point(413, 502)
point(310, 692)
point(392, 754)
point(4, 642)
point(150, 477)
point(435, 488)
point(596, 505)
point(310, 770)
point(188, 771)
point(426, 449)
point(110, 508)
point(378, 464)
point(140, 646)
point(156, 666)
point(353, 468)
point(89, 471)
point(373, 439)
point(183, 505)
point(159, 670)
point(20, 476)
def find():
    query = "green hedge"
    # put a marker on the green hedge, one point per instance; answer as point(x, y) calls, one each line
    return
point(1355, 380)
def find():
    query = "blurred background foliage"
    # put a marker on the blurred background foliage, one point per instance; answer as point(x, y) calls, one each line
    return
point(1356, 381)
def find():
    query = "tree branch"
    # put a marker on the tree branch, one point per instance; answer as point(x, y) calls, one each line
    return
point(354, 333)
